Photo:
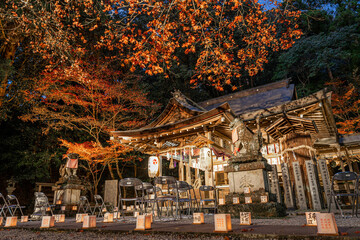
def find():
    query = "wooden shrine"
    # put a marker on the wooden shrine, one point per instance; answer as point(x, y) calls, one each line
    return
point(293, 141)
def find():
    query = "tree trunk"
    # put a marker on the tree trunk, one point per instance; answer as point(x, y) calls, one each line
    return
point(111, 171)
point(118, 170)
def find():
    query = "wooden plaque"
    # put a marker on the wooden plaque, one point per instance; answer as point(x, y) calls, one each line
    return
point(275, 187)
point(198, 218)
point(300, 190)
point(311, 219)
point(247, 190)
point(245, 218)
point(326, 224)
point(289, 200)
point(236, 200)
point(248, 200)
point(314, 191)
point(325, 179)
point(222, 223)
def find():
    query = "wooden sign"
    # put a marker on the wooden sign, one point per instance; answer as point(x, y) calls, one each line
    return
point(80, 217)
point(24, 219)
point(264, 199)
point(136, 213)
point(221, 201)
point(222, 223)
point(89, 221)
point(47, 222)
point(314, 191)
point(274, 183)
point(245, 218)
point(325, 179)
point(236, 200)
point(289, 200)
point(108, 217)
point(326, 224)
point(311, 219)
point(59, 217)
point(300, 191)
point(11, 222)
point(198, 218)
point(248, 200)
point(247, 190)
point(143, 222)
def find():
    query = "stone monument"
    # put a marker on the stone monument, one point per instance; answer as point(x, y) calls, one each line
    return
point(68, 188)
point(247, 168)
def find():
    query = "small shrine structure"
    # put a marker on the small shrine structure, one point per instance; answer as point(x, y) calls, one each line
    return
point(295, 141)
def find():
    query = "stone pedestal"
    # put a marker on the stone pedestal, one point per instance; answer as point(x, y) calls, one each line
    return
point(249, 174)
point(111, 192)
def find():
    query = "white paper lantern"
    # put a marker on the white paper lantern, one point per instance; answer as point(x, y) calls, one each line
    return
point(153, 166)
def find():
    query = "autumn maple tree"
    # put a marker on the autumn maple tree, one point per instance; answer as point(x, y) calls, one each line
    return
point(92, 99)
point(345, 103)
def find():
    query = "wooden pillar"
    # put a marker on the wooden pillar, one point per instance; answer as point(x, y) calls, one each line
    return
point(160, 165)
point(188, 169)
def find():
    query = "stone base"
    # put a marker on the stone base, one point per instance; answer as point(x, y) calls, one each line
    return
point(255, 179)
point(71, 196)
point(271, 209)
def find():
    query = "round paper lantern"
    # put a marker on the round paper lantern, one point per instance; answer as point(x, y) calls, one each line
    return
point(153, 166)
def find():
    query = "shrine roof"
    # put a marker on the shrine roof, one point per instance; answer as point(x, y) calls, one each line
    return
point(254, 99)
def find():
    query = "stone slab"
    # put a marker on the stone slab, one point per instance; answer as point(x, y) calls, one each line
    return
point(111, 192)
point(255, 179)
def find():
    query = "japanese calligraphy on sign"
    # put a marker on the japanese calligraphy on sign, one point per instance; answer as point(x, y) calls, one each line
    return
point(289, 200)
point(326, 224)
point(274, 183)
point(300, 191)
point(325, 179)
point(245, 218)
point(311, 219)
point(314, 191)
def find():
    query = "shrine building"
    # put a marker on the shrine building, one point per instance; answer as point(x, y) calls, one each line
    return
point(299, 141)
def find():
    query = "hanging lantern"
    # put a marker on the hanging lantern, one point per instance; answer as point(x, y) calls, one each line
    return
point(171, 165)
point(168, 155)
point(205, 158)
point(153, 166)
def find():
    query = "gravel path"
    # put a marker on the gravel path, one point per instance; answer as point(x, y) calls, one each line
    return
point(17, 234)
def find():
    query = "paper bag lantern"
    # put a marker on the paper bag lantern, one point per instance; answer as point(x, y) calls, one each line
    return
point(74, 208)
point(248, 200)
point(136, 213)
point(245, 218)
point(221, 201)
point(326, 224)
point(58, 202)
point(246, 190)
point(311, 219)
point(47, 221)
point(236, 200)
point(108, 217)
point(198, 218)
point(59, 217)
point(24, 219)
point(1, 220)
point(63, 208)
point(11, 222)
point(116, 215)
point(128, 208)
point(80, 217)
point(151, 216)
point(264, 199)
point(48, 209)
point(143, 222)
point(222, 223)
point(89, 221)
